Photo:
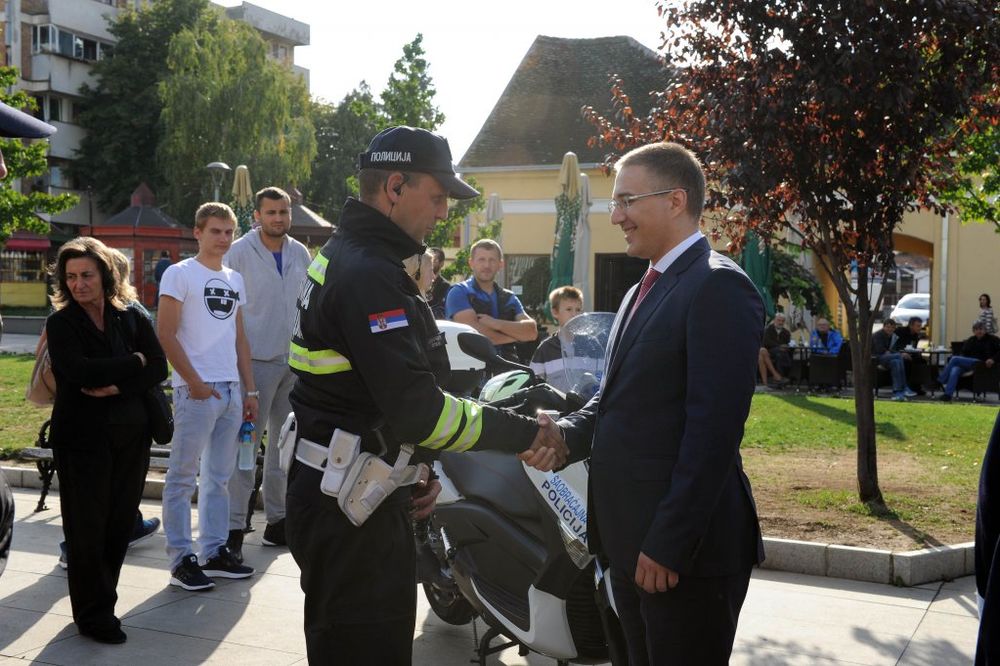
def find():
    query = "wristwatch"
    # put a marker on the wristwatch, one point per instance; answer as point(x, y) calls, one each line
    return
point(252, 394)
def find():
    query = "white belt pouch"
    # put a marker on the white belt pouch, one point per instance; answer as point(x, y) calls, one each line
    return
point(370, 480)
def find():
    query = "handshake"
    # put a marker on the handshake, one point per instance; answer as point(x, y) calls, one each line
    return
point(549, 450)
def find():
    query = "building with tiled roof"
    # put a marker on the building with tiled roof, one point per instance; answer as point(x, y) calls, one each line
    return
point(537, 118)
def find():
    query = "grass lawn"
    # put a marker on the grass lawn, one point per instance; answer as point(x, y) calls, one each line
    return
point(19, 419)
point(800, 454)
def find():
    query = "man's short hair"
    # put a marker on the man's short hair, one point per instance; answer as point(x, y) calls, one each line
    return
point(915, 320)
point(487, 243)
point(978, 326)
point(674, 166)
point(213, 209)
point(437, 252)
point(561, 294)
point(372, 181)
point(889, 322)
point(272, 193)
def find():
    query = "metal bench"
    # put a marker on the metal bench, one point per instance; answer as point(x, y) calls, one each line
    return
point(159, 459)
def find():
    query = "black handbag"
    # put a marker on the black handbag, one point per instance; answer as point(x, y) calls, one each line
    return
point(161, 417)
point(156, 402)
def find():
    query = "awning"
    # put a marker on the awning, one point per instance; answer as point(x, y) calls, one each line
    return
point(27, 243)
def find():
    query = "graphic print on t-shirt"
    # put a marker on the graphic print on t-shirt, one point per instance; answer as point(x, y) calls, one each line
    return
point(220, 299)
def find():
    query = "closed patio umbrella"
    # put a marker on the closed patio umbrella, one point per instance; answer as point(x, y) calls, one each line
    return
point(581, 249)
point(567, 216)
point(242, 201)
point(756, 262)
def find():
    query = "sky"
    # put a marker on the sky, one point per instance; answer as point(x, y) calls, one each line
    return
point(472, 48)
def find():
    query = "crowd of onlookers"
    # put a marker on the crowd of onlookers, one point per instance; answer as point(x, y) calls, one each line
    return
point(897, 350)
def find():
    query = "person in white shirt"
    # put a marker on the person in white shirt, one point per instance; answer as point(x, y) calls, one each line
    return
point(200, 326)
point(273, 266)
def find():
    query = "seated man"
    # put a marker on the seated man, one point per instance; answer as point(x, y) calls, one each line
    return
point(980, 347)
point(883, 342)
point(825, 341)
point(907, 339)
point(774, 357)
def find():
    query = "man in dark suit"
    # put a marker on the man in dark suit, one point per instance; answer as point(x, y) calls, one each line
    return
point(668, 501)
point(988, 553)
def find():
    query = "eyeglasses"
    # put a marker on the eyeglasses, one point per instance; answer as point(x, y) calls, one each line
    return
point(625, 202)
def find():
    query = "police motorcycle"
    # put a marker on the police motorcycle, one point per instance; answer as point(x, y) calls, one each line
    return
point(507, 543)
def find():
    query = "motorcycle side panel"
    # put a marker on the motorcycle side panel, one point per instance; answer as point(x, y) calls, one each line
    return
point(494, 477)
point(548, 631)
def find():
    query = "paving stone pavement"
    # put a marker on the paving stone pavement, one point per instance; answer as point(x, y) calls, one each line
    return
point(787, 619)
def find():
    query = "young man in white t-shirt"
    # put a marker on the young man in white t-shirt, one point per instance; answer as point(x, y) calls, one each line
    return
point(200, 326)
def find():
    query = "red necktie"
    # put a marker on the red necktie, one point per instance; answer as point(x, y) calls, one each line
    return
point(648, 280)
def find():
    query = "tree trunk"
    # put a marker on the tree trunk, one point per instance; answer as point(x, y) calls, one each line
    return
point(859, 323)
point(864, 409)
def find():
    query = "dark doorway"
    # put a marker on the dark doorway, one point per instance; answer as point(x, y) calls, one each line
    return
point(614, 274)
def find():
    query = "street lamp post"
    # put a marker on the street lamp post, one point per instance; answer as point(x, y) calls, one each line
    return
point(218, 171)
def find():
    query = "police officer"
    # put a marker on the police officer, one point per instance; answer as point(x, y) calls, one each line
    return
point(369, 361)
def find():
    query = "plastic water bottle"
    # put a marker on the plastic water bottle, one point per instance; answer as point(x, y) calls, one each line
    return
point(246, 458)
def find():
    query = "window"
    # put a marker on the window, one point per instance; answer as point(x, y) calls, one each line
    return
point(40, 38)
point(65, 43)
point(527, 275)
point(50, 39)
point(54, 111)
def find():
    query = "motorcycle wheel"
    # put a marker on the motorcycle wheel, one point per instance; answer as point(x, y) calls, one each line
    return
point(448, 604)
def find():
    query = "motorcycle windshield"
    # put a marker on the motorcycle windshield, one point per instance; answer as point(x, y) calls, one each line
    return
point(584, 341)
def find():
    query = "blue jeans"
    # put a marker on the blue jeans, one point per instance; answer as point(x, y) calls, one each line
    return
point(893, 362)
point(205, 433)
point(951, 373)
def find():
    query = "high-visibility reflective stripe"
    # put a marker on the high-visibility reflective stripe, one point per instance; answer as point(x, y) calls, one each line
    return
point(459, 426)
point(317, 269)
point(473, 427)
point(447, 424)
point(316, 361)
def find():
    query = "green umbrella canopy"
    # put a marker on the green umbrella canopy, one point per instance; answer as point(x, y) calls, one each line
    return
point(756, 262)
point(567, 214)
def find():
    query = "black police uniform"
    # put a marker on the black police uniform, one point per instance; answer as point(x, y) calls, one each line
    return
point(369, 357)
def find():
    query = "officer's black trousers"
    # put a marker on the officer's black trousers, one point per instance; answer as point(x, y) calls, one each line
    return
point(99, 492)
point(360, 582)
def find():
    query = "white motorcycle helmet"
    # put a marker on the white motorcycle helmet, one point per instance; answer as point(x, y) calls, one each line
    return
point(466, 371)
point(504, 385)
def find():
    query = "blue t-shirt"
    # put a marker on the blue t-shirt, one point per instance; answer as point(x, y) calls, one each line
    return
point(458, 299)
point(277, 260)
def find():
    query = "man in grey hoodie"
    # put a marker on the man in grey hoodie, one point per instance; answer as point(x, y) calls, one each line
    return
point(273, 265)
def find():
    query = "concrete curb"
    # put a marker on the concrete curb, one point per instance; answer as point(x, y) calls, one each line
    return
point(914, 567)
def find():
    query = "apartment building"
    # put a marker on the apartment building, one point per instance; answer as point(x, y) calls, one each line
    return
point(54, 44)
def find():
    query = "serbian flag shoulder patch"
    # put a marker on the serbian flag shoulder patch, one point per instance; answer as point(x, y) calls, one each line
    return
point(381, 322)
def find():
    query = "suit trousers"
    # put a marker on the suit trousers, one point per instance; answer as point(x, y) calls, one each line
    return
point(99, 492)
point(360, 582)
point(274, 380)
point(692, 624)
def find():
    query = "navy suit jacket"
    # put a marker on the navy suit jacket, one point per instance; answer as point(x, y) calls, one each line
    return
point(988, 551)
point(664, 432)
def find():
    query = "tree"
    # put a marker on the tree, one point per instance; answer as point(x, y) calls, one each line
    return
point(408, 98)
point(223, 99)
point(121, 111)
point(830, 119)
point(977, 192)
point(18, 210)
point(343, 131)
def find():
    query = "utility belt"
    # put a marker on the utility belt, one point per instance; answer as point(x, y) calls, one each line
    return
point(360, 481)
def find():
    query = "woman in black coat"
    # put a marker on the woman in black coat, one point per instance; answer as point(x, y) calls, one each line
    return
point(105, 358)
